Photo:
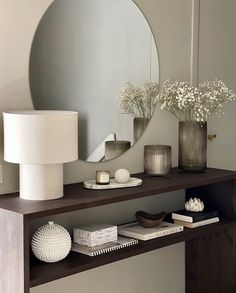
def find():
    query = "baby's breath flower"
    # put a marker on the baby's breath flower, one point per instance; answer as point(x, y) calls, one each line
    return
point(139, 102)
point(189, 103)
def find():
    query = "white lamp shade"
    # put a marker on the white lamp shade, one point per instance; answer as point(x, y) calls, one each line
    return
point(40, 137)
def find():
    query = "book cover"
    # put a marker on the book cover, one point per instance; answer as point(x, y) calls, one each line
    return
point(137, 231)
point(197, 224)
point(120, 243)
point(192, 217)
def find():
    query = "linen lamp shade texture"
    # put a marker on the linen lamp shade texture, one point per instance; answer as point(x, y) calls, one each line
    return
point(40, 137)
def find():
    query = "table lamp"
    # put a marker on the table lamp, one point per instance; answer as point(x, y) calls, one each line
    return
point(40, 141)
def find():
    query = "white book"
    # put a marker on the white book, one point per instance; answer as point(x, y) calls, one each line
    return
point(197, 224)
point(120, 243)
point(193, 217)
point(137, 231)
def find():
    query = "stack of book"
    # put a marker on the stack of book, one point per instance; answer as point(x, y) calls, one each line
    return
point(120, 243)
point(97, 239)
point(136, 231)
point(195, 219)
point(95, 234)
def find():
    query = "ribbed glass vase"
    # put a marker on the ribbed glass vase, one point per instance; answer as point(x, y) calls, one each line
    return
point(157, 160)
point(115, 148)
point(139, 126)
point(192, 146)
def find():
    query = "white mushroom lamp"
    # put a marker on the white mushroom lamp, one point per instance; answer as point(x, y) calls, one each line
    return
point(40, 141)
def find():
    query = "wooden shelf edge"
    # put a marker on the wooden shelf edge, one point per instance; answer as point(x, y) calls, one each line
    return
point(76, 197)
point(125, 197)
point(42, 273)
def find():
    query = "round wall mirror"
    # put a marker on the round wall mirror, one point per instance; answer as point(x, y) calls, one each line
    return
point(83, 54)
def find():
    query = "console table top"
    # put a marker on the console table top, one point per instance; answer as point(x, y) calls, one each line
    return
point(76, 197)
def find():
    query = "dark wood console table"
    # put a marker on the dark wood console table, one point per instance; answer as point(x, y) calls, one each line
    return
point(210, 250)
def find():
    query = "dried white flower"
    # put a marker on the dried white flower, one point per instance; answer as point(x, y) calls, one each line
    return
point(189, 103)
point(139, 102)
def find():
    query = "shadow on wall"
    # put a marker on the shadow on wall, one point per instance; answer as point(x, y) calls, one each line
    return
point(14, 96)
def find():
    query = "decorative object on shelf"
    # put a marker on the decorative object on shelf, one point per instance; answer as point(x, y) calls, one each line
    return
point(194, 205)
point(122, 176)
point(51, 243)
point(140, 103)
point(157, 160)
point(147, 220)
point(115, 148)
point(139, 126)
point(193, 106)
point(41, 141)
point(120, 243)
point(192, 217)
point(197, 224)
point(102, 177)
point(96, 234)
point(192, 146)
point(133, 182)
point(135, 230)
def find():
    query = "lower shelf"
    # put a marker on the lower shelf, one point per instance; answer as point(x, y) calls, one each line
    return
point(41, 273)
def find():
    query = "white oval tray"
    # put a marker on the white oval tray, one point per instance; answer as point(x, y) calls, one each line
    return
point(133, 182)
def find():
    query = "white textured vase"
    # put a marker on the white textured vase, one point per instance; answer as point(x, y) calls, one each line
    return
point(51, 243)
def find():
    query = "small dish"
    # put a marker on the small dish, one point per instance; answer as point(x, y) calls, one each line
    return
point(149, 220)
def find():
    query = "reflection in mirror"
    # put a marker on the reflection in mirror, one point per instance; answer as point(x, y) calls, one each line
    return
point(84, 52)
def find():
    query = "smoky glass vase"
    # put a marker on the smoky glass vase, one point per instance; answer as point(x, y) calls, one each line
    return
point(139, 126)
point(115, 148)
point(192, 146)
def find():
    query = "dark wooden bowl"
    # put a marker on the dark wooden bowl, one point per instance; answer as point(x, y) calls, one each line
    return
point(147, 220)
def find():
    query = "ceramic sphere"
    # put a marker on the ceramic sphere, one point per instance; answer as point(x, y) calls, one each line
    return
point(122, 176)
point(51, 243)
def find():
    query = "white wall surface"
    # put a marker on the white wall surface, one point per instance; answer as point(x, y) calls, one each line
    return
point(171, 24)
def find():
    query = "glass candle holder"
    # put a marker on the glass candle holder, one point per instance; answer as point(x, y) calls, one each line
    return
point(115, 148)
point(157, 160)
point(192, 146)
point(102, 177)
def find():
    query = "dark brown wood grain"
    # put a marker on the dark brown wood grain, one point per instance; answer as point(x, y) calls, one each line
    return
point(210, 250)
point(211, 263)
point(76, 197)
point(76, 262)
point(220, 196)
point(14, 258)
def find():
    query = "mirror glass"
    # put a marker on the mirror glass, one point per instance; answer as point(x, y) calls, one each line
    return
point(83, 53)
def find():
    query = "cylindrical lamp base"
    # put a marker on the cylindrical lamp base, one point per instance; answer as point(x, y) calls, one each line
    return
point(41, 182)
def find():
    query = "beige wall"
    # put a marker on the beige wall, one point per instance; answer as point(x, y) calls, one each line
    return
point(171, 24)
point(173, 39)
point(217, 49)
